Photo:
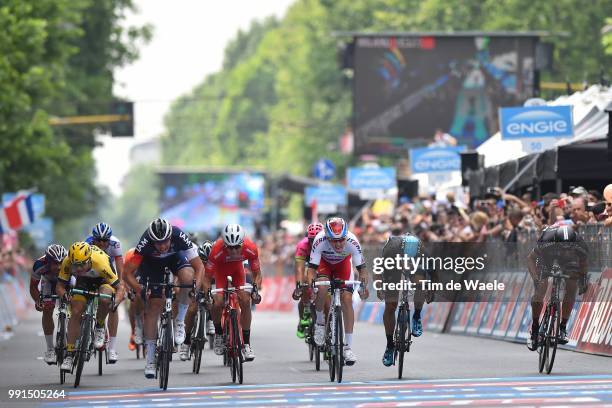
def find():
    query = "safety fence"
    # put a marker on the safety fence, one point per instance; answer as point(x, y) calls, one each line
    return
point(14, 301)
point(507, 314)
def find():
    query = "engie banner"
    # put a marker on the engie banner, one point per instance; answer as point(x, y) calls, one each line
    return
point(536, 122)
point(436, 159)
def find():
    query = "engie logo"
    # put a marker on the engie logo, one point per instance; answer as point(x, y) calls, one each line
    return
point(436, 159)
point(536, 121)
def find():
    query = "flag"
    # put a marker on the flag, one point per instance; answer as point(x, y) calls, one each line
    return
point(17, 213)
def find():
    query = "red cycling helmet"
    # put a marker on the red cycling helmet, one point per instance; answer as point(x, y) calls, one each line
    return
point(313, 229)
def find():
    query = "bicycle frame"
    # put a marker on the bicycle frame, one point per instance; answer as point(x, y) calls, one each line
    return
point(230, 302)
point(83, 352)
point(335, 336)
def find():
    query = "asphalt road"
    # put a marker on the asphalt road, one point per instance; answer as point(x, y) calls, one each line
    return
point(441, 369)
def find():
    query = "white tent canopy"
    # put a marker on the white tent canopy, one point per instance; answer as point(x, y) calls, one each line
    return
point(590, 122)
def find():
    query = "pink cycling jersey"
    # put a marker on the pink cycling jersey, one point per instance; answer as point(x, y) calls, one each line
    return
point(302, 250)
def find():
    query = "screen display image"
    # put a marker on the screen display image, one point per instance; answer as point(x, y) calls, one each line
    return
point(407, 87)
point(205, 202)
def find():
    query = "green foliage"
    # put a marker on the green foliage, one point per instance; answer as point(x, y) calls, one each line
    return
point(280, 102)
point(57, 59)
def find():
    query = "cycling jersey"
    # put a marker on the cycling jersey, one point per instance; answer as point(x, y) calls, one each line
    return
point(129, 255)
point(41, 268)
point(568, 255)
point(322, 249)
point(101, 269)
point(179, 245)
point(302, 250)
point(114, 247)
point(220, 264)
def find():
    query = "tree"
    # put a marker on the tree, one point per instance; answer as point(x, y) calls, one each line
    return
point(58, 58)
point(280, 101)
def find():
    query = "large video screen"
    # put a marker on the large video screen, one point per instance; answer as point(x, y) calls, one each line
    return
point(204, 202)
point(407, 87)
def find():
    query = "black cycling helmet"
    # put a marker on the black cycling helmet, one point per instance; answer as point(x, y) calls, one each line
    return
point(565, 233)
point(159, 230)
point(204, 250)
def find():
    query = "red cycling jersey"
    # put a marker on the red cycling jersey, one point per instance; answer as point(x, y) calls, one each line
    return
point(220, 264)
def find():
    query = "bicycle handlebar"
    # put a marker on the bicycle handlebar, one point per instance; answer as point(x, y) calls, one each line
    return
point(90, 293)
point(246, 287)
point(338, 281)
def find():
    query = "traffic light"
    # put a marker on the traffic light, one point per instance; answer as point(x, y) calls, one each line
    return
point(124, 127)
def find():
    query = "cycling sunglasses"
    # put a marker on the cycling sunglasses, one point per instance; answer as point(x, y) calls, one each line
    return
point(233, 247)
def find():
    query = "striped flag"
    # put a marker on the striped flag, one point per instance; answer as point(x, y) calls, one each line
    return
point(17, 213)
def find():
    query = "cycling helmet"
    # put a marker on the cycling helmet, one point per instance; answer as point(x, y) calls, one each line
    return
point(160, 230)
point(101, 231)
point(335, 228)
point(233, 235)
point(56, 253)
point(204, 250)
point(313, 229)
point(80, 253)
point(565, 233)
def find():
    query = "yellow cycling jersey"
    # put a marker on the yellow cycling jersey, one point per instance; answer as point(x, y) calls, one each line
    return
point(100, 268)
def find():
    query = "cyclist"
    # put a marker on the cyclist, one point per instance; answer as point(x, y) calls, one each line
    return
point(94, 272)
point(45, 271)
point(558, 243)
point(102, 237)
point(203, 252)
point(135, 311)
point(226, 259)
point(302, 255)
point(405, 245)
point(163, 246)
point(330, 257)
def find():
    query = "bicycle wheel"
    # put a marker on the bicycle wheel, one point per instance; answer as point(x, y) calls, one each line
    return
point(165, 356)
point(339, 344)
point(542, 347)
point(99, 356)
point(552, 337)
point(400, 339)
point(81, 354)
point(60, 345)
point(329, 341)
point(237, 347)
point(197, 342)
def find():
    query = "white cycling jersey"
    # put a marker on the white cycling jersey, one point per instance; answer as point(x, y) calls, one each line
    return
point(323, 249)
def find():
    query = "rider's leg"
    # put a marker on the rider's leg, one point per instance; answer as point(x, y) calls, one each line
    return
point(346, 299)
point(132, 315)
point(151, 315)
point(185, 277)
point(189, 319)
point(77, 305)
point(48, 326)
point(320, 299)
point(571, 287)
point(540, 287)
point(103, 305)
point(244, 299)
point(113, 325)
point(389, 320)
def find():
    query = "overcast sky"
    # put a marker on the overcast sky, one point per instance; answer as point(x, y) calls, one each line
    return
point(188, 43)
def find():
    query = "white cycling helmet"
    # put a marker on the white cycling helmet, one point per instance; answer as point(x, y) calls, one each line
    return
point(233, 235)
point(160, 230)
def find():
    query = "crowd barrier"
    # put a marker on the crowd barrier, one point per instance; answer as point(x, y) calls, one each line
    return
point(507, 314)
point(14, 301)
